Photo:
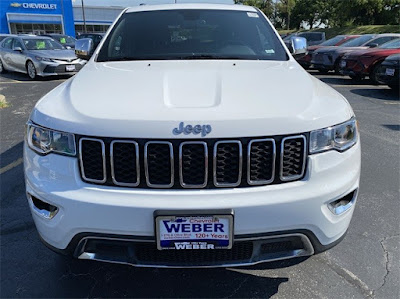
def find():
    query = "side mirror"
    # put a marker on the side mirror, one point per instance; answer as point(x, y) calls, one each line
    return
point(17, 49)
point(373, 45)
point(84, 48)
point(298, 45)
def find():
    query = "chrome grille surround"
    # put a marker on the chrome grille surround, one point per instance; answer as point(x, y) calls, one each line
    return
point(146, 164)
point(260, 182)
point(244, 162)
point(181, 174)
point(137, 164)
point(103, 153)
point(237, 183)
point(304, 150)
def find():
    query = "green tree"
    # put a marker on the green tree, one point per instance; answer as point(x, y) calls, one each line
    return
point(311, 12)
point(366, 12)
point(284, 13)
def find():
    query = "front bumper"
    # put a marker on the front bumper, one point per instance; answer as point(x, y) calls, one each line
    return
point(45, 68)
point(352, 68)
point(393, 80)
point(91, 209)
point(323, 62)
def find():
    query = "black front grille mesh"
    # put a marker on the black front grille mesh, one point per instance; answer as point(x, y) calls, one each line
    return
point(148, 253)
point(194, 164)
point(92, 160)
point(228, 163)
point(293, 158)
point(124, 163)
point(261, 161)
point(159, 164)
point(180, 164)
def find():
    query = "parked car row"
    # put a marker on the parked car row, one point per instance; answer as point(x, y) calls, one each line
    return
point(45, 55)
point(357, 56)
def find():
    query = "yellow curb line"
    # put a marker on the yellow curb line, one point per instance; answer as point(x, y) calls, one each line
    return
point(11, 165)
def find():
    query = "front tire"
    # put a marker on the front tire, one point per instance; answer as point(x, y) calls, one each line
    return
point(373, 76)
point(337, 68)
point(2, 69)
point(31, 70)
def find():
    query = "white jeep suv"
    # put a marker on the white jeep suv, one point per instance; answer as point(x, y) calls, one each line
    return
point(191, 138)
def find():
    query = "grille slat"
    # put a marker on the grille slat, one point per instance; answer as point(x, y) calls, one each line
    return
point(227, 163)
point(125, 169)
point(193, 167)
point(243, 162)
point(292, 158)
point(92, 156)
point(159, 164)
point(261, 161)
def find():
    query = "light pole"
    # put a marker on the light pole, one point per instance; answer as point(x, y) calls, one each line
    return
point(83, 15)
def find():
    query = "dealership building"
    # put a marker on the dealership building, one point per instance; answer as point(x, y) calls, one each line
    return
point(54, 16)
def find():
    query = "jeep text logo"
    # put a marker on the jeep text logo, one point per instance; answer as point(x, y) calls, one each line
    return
point(197, 129)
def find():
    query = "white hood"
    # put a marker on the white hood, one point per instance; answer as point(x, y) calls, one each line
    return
point(148, 99)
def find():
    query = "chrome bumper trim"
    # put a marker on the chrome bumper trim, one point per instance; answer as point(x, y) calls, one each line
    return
point(256, 258)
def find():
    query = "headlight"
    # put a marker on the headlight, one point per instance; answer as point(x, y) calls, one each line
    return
point(44, 59)
point(45, 141)
point(340, 137)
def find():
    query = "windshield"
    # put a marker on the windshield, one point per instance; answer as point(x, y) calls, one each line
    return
point(332, 41)
point(192, 34)
point(65, 39)
point(394, 44)
point(359, 41)
point(41, 44)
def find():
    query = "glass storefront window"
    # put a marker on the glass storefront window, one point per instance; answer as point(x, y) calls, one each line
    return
point(27, 28)
point(91, 28)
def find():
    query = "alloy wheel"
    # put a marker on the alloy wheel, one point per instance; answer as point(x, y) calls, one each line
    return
point(31, 70)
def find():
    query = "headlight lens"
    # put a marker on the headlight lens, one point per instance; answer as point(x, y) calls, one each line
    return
point(45, 141)
point(44, 59)
point(340, 137)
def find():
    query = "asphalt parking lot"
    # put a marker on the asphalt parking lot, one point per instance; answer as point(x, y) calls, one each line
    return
point(365, 264)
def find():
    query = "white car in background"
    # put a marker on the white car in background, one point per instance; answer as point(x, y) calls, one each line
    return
point(37, 56)
point(178, 145)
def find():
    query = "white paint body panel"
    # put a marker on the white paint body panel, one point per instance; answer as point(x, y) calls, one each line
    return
point(148, 99)
point(114, 210)
point(251, 98)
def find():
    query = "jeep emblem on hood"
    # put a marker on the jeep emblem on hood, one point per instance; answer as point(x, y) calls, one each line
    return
point(197, 129)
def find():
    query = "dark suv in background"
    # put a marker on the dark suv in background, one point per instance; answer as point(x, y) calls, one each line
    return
point(313, 38)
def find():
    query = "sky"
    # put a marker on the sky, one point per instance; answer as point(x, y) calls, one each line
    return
point(126, 3)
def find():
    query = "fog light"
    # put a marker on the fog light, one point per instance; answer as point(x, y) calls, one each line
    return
point(45, 209)
point(343, 204)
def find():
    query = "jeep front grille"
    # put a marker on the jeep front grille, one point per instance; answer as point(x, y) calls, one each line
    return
point(198, 164)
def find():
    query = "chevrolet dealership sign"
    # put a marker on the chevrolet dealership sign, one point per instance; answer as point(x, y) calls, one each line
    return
point(34, 5)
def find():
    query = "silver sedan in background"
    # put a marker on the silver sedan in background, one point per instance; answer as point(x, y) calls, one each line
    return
point(37, 56)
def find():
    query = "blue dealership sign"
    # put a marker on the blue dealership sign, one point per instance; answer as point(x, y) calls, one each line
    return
point(36, 12)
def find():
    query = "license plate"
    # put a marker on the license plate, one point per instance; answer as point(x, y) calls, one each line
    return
point(389, 72)
point(200, 232)
point(342, 63)
point(70, 68)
